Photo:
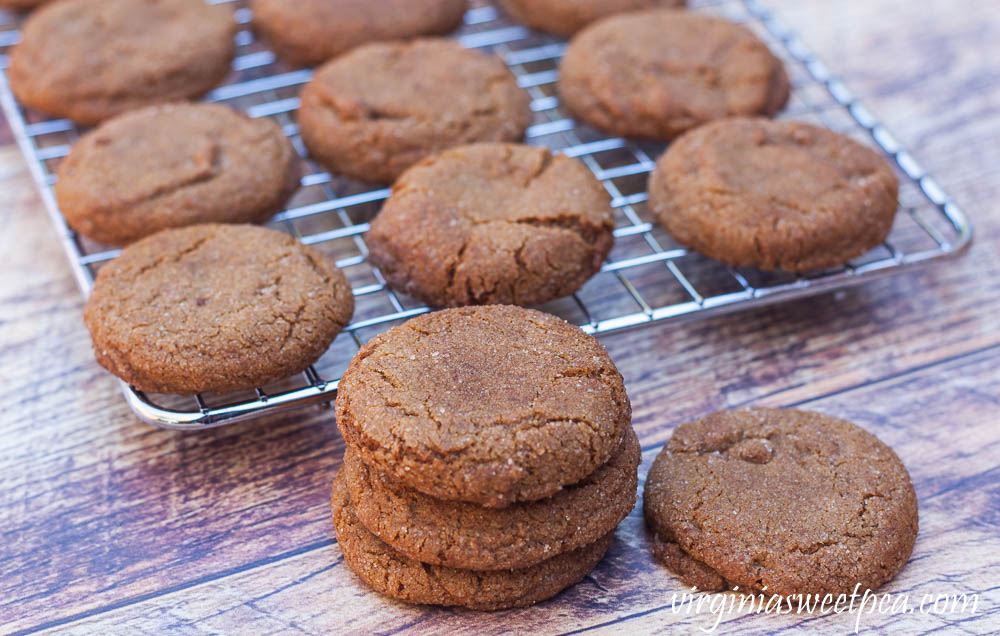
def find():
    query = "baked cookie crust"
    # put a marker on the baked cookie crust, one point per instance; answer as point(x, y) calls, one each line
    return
point(566, 17)
point(400, 577)
point(88, 60)
point(376, 111)
point(215, 308)
point(309, 32)
point(174, 165)
point(467, 536)
point(774, 194)
point(792, 501)
point(490, 405)
point(493, 223)
point(656, 74)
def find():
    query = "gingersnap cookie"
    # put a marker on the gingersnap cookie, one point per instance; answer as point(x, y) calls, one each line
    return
point(215, 308)
point(792, 501)
point(492, 223)
point(403, 578)
point(372, 113)
point(174, 165)
point(773, 194)
point(658, 73)
point(491, 405)
point(566, 17)
point(463, 535)
point(309, 32)
point(90, 59)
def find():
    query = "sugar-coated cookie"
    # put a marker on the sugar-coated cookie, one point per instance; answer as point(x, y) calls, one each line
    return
point(491, 405)
point(493, 223)
point(312, 31)
point(792, 501)
point(88, 60)
point(774, 194)
point(215, 308)
point(374, 112)
point(464, 535)
point(398, 576)
point(566, 17)
point(655, 74)
point(173, 165)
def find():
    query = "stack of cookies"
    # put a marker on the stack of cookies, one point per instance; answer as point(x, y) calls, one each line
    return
point(489, 458)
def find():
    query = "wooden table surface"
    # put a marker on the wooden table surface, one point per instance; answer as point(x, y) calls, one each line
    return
point(111, 526)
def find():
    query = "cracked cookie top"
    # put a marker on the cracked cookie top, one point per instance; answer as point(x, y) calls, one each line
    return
point(313, 31)
point(215, 308)
point(377, 110)
point(657, 73)
point(490, 405)
point(493, 223)
point(174, 165)
point(774, 194)
point(88, 60)
point(566, 17)
point(794, 501)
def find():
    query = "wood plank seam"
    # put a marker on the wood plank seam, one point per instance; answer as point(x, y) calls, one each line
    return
point(645, 449)
point(208, 578)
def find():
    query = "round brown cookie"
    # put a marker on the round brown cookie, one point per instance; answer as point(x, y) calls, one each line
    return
point(773, 194)
point(90, 59)
point(490, 405)
point(174, 165)
point(403, 578)
point(794, 501)
point(566, 17)
point(493, 223)
point(464, 535)
point(215, 308)
point(657, 73)
point(374, 112)
point(312, 31)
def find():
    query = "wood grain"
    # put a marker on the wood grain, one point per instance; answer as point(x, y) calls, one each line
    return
point(959, 511)
point(142, 530)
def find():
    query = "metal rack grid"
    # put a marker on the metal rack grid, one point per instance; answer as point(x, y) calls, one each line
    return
point(648, 277)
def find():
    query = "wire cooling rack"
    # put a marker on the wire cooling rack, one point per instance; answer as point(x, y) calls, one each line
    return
point(648, 277)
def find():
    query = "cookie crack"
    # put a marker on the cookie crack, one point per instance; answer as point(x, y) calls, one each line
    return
point(320, 268)
point(543, 166)
point(289, 332)
point(587, 231)
point(723, 445)
point(499, 427)
point(166, 190)
point(454, 263)
point(359, 110)
point(814, 547)
point(173, 258)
